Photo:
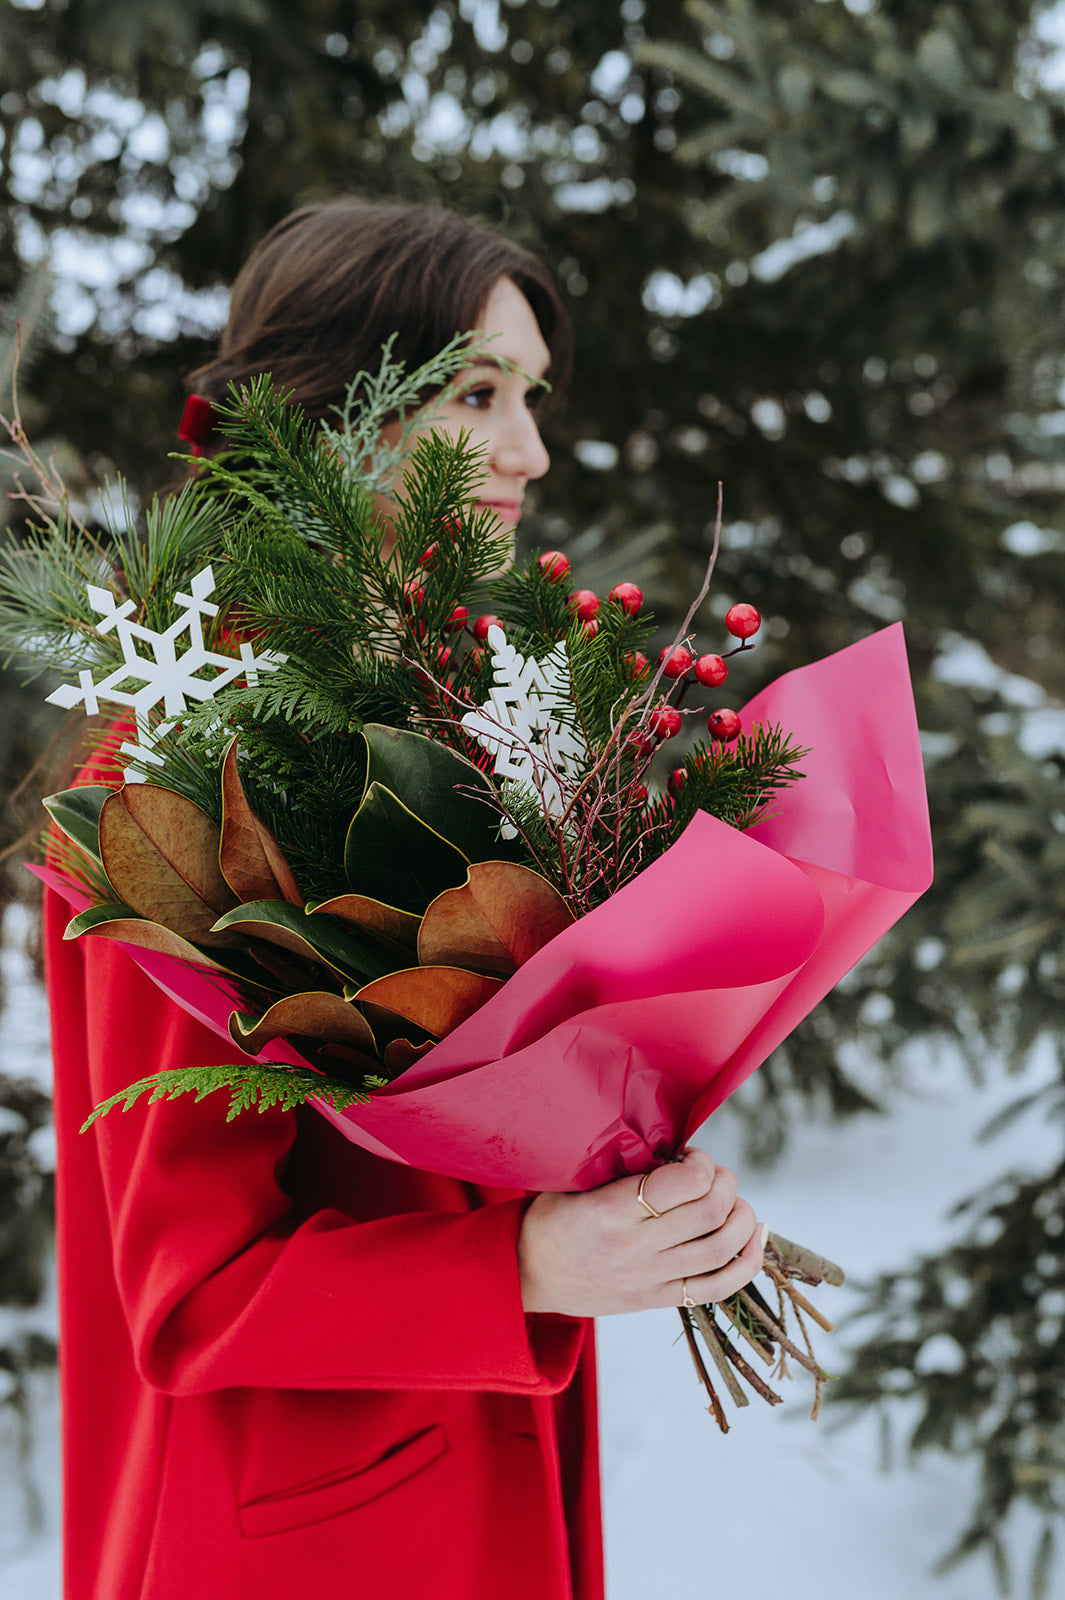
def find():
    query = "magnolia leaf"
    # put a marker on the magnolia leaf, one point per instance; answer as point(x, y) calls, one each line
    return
point(435, 999)
point(392, 856)
point(399, 928)
point(160, 852)
point(250, 857)
point(312, 1015)
point(123, 924)
point(340, 947)
point(494, 922)
point(77, 813)
point(400, 1054)
point(434, 782)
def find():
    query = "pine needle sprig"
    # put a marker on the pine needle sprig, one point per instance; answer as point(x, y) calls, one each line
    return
point(279, 468)
point(736, 782)
point(46, 614)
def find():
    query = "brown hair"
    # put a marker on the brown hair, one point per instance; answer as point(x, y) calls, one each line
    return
point(319, 296)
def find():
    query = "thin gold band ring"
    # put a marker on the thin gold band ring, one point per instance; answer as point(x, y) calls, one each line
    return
point(647, 1206)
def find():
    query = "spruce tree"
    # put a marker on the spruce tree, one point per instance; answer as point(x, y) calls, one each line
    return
point(811, 251)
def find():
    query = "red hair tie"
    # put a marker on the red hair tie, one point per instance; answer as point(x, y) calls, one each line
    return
point(197, 422)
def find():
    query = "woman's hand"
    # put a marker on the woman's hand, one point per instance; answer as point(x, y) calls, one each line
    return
point(589, 1255)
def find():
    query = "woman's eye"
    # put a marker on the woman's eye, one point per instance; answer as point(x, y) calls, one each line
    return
point(480, 398)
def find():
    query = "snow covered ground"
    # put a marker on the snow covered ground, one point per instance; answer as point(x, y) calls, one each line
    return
point(782, 1506)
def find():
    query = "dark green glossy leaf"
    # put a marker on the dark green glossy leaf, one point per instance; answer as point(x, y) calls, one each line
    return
point(433, 782)
point(334, 944)
point(77, 813)
point(392, 856)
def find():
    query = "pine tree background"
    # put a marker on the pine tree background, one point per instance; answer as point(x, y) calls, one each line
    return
point(815, 251)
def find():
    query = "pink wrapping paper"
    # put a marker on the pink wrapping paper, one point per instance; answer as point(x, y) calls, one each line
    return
point(617, 1040)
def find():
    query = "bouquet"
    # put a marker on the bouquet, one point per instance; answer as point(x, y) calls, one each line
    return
point(409, 852)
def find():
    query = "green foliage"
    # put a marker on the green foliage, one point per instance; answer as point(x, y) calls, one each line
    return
point(45, 612)
point(258, 1086)
point(972, 1339)
point(737, 782)
point(877, 391)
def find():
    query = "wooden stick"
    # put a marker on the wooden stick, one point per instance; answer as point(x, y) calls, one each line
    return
point(779, 1335)
point(715, 1407)
point(745, 1370)
point(765, 1350)
point(801, 1301)
point(713, 1336)
point(814, 1268)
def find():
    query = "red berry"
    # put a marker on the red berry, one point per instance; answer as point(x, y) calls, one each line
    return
point(742, 620)
point(628, 597)
point(723, 725)
point(457, 619)
point(589, 628)
point(413, 595)
point(638, 794)
point(443, 658)
point(554, 566)
point(482, 625)
point(638, 664)
point(584, 603)
point(677, 779)
point(451, 526)
point(638, 745)
point(678, 663)
point(665, 722)
point(428, 556)
point(711, 670)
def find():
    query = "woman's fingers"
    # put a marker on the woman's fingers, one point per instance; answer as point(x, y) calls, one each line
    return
point(713, 1250)
point(704, 1288)
point(600, 1252)
point(674, 1184)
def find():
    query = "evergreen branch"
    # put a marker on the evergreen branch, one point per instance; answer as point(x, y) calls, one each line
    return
point(258, 1085)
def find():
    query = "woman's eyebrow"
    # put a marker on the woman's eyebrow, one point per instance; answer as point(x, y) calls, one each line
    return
point(508, 366)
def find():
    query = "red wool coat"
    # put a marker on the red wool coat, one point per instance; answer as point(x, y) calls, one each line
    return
point(290, 1368)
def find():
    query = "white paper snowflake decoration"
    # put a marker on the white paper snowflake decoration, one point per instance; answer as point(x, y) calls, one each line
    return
point(520, 722)
point(165, 676)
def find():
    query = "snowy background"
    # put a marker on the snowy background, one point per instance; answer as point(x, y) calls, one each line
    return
point(779, 1507)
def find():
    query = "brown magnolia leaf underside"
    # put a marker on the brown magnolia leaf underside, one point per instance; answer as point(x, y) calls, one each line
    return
point(250, 857)
point(494, 922)
point(400, 1054)
point(435, 999)
point(388, 923)
point(313, 1015)
point(160, 852)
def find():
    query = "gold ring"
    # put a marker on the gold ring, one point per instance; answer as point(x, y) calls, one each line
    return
point(688, 1303)
point(647, 1206)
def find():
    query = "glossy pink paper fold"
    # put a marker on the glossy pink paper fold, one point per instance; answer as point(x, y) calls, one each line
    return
point(610, 1047)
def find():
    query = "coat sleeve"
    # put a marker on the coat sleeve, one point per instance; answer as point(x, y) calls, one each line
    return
point(221, 1283)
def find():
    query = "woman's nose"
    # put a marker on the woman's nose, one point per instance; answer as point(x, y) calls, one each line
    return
point(520, 451)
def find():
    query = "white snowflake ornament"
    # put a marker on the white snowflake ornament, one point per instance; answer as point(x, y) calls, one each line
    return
point(165, 676)
point(519, 722)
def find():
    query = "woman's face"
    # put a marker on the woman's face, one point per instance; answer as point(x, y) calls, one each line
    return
point(497, 409)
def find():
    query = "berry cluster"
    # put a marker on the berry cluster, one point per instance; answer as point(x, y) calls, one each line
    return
point(683, 670)
point(678, 665)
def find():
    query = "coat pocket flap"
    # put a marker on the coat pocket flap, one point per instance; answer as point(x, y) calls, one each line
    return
point(342, 1491)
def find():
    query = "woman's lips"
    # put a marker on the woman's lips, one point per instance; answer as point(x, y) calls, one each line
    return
point(505, 508)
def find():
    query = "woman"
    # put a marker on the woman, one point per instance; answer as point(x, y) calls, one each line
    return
point(290, 1367)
